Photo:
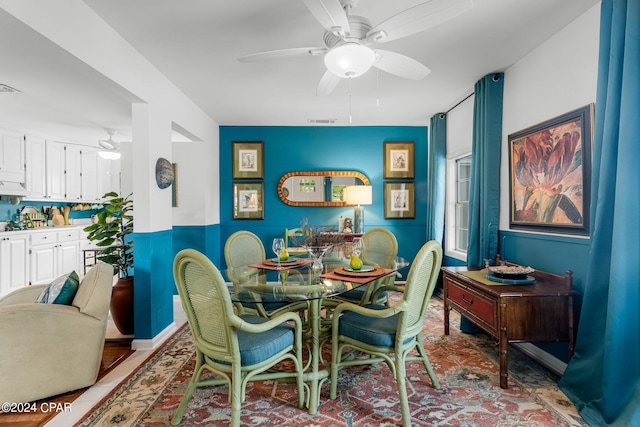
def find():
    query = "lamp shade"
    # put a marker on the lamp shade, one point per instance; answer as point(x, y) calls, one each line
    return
point(358, 195)
point(349, 60)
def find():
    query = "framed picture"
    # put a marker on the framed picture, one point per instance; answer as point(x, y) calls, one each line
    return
point(550, 170)
point(398, 160)
point(248, 200)
point(399, 200)
point(248, 160)
point(174, 187)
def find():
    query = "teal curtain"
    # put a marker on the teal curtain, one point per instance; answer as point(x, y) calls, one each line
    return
point(436, 175)
point(603, 377)
point(484, 202)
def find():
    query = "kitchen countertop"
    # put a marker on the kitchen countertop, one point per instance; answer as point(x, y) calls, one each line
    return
point(78, 223)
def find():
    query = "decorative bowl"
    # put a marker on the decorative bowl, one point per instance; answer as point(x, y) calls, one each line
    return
point(511, 271)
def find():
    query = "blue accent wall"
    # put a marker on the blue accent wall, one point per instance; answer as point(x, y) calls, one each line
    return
point(552, 253)
point(153, 284)
point(203, 238)
point(358, 148)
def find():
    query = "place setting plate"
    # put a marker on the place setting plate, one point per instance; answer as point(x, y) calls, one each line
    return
point(289, 261)
point(286, 261)
point(366, 270)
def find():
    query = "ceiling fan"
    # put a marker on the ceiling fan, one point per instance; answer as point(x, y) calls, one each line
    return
point(110, 148)
point(347, 52)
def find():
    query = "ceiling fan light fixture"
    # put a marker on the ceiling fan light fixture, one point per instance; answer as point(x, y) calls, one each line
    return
point(349, 60)
point(110, 148)
point(109, 154)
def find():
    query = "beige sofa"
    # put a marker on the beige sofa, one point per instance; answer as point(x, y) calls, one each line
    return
point(49, 349)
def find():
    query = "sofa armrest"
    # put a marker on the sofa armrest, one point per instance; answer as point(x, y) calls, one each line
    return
point(47, 349)
point(27, 294)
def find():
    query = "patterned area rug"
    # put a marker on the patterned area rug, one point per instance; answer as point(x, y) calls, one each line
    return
point(466, 366)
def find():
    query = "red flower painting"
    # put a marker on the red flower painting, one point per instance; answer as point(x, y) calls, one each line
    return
point(547, 174)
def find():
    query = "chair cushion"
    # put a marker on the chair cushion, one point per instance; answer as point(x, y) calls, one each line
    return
point(370, 330)
point(256, 348)
point(61, 291)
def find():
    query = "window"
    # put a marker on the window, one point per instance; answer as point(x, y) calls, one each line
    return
point(458, 192)
point(463, 186)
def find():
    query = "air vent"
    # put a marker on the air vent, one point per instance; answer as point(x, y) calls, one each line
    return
point(7, 89)
point(322, 121)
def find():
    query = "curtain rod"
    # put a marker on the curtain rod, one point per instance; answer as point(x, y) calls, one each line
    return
point(465, 98)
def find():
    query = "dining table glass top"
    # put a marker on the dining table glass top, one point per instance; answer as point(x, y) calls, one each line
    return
point(297, 280)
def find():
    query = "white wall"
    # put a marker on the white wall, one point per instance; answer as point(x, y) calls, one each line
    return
point(460, 128)
point(198, 182)
point(557, 77)
point(76, 28)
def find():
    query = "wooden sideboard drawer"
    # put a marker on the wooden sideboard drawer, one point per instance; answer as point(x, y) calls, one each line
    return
point(474, 303)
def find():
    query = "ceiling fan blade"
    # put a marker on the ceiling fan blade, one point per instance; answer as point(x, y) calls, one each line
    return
point(418, 18)
point(400, 65)
point(327, 84)
point(330, 14)
point(107, 145)
point(295, 52)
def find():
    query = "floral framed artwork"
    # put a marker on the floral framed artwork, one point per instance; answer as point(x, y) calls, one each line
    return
point(248, 159)
point(550, 171)
point(398, 160)
point(399, 200)
point(248, 200)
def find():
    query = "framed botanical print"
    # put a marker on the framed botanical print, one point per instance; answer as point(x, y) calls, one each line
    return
point(550, 170)
point(248, 200)
point(398, 160)
point(399, 200)
point(248, 159)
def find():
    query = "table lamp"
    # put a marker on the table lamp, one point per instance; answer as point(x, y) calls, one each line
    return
point(358, 195)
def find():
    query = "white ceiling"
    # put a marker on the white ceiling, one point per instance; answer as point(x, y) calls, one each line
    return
point(196, 43)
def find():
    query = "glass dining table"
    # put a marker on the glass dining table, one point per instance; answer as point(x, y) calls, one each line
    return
point(296, 280)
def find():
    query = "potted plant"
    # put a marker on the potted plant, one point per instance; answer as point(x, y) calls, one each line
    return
point(111, 231)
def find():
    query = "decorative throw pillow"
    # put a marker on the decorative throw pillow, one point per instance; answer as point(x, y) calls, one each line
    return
point(61, 290)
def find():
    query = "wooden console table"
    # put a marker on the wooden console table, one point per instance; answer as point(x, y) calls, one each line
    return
point(538, 312)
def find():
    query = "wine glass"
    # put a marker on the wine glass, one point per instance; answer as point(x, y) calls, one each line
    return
point(278, 248)
point(357, 247)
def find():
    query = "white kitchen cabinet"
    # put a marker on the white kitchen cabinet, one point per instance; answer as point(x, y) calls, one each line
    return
point(35, 167)
point(73, 173)
point(90, 181)
point(14, 261)
point(55, 170)
point(76, 174)
point(54, 253)
point(43, 257)
point(11, 156)
point(68, 251)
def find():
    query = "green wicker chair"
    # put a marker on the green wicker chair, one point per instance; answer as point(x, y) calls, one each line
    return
point(236, 348)
point(380, 248)
point(388, 334)
point(244, 248)
point(296, 236)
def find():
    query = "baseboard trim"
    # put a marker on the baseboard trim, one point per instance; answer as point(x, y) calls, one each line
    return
point(545, 359)
point(155, 342)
